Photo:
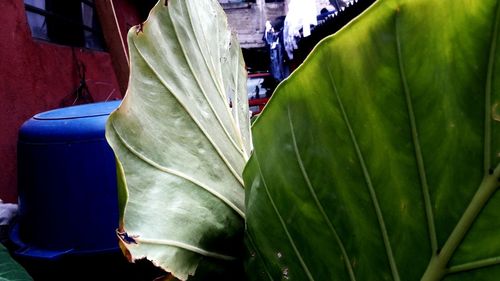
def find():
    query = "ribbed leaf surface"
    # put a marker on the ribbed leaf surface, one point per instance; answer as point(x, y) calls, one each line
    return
point(378, 158)
point(180, 147)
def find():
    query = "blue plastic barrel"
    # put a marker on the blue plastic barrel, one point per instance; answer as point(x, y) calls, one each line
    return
point(67, 184)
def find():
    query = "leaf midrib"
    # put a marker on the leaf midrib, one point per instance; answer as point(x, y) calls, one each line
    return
point(219, 83)
point(179, 174)
point(486, 189)
point(209, 102)
point(183, 106)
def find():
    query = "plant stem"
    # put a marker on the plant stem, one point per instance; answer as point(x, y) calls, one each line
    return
point(438, 265)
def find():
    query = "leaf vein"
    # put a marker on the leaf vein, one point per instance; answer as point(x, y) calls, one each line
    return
point(318, 203)
point(474, 265)
point(183, 106)
point(367, 177)
point(218, 79)
point(173, 172)
point(209, 102)
point(488, 92)
point(431, 226)
point(488, 187)
point(259, 254)
point(185, 246)
point(282, 222)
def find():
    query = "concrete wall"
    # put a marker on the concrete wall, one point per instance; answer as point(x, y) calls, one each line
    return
point(38, 76)
point(248, 19)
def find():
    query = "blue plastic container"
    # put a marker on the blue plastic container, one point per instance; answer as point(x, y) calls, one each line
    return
point(67, 184)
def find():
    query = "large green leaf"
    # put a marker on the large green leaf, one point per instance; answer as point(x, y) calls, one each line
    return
point(378, 158)
point(10, 270)
point(181, 148)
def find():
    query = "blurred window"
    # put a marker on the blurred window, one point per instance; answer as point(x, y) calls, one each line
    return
point(66, 22)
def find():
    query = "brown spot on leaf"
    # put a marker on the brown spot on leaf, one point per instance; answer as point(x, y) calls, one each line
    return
point(495, 112)
point(125, 238)
point(139, 28)
point(125, 251)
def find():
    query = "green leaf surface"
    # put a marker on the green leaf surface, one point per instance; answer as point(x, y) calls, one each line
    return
point(378, 158)
point(10, 270)
point(181, 148)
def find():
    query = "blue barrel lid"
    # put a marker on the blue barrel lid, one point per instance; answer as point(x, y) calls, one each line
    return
point(75, 123)
point(79, 111)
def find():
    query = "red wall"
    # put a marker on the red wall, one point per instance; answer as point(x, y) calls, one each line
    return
point(35, 77)
point(127, 15)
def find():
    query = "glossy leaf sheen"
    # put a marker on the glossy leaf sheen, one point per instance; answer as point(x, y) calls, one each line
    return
point(181, 148)
point(378, 158)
